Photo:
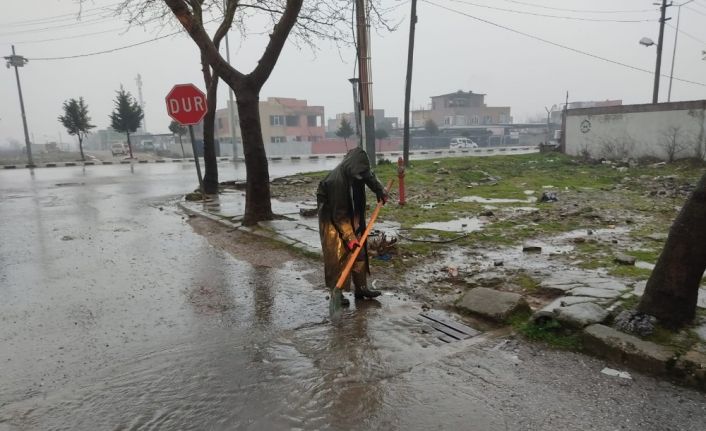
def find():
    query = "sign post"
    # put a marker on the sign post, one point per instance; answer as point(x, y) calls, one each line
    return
point(186, 104)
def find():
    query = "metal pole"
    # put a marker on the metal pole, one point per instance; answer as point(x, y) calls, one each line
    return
point(408, 82)
point(548, 122)
point(28, 144)
point(196, 157)
point(356, 110)
point(230, 99)
point(660, 43)
point(674, 51)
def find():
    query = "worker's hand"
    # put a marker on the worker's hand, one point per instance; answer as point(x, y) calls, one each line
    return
point(352, 244)
point(382, 197)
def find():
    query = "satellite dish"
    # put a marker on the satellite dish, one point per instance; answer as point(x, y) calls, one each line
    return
point(646, 41)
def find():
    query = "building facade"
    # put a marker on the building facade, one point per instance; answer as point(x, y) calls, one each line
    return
point(461, 109)
point(381, 121)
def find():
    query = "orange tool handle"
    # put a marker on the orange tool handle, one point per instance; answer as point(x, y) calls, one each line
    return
point(356, 252)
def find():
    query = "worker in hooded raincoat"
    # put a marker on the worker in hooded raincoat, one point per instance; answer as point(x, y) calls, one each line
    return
point(341, 210)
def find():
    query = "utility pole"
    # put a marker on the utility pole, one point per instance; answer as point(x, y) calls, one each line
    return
point(660, 43)
point(138, 81)
point(19, 61)
point(230, 98)
point(366, 84)
point(408, 82)
point(674, 51)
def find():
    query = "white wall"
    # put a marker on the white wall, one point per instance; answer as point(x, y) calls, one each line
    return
point(291, 148)
point(613, 134)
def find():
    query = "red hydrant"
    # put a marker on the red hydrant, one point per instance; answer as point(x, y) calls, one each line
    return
point(400, 176)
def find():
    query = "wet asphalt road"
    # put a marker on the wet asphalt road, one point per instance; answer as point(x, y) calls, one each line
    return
point(116, 315)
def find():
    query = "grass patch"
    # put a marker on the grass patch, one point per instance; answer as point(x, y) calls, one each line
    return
point(526, 282)
point(550, 333)
point(681, 341)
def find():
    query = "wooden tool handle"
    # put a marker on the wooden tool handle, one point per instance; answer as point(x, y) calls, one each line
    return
point(356, 251)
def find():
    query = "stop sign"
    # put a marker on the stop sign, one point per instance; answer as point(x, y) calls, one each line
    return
point(186, 104)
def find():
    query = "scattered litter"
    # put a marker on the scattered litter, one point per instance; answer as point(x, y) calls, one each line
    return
point(615, 373)
point(308, 212)
point(548, 197)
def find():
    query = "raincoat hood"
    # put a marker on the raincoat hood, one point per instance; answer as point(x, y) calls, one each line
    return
point(355, 164)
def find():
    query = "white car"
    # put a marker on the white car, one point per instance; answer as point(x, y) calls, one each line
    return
point(118, 149)
point(461, 143)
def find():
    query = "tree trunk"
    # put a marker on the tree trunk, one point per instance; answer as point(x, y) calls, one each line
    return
point(129, 146)
point(257, 194)
point(673, 287)
point(210, 177)
point(80, 146)
point(183, 154)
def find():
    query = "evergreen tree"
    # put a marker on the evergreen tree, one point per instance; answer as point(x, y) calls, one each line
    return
point(345, 131)
point(179, 130)
point(127, 116)
point(76, 120)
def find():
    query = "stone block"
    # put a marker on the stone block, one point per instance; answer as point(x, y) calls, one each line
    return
point(492, 304)
point(580, 315)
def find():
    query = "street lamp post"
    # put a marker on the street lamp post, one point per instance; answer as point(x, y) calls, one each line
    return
point(17, 61)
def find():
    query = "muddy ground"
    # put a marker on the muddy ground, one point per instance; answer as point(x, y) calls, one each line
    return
point(467, 221)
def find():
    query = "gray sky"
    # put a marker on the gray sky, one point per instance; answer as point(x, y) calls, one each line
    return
point(452, 52)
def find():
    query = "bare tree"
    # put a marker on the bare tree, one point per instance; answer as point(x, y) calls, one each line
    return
point(305, 20)
point(673, 287)
point(673, 142)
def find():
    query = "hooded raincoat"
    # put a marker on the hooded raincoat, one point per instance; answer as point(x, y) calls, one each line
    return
point(341, 210)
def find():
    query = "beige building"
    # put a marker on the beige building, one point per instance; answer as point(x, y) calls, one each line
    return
point(461, 109)
point(288, 126)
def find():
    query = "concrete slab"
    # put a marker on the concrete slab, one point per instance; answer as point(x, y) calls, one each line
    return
point(594, 292)
point(642, 355)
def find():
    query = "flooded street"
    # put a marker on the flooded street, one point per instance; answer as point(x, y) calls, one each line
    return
point(117, 313)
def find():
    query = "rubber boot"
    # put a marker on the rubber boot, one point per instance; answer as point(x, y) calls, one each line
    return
point(360, 281)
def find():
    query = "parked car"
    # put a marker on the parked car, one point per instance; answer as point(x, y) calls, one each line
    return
point(118, 149)
point(461, 143)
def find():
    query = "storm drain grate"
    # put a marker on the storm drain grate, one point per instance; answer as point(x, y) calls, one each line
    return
point(447, 330)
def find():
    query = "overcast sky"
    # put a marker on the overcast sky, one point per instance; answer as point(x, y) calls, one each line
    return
point(453, 51)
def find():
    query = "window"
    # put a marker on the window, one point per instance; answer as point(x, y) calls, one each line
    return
point(475, 120)
point(276, 120)
point(277, 139)
point(449, 121)
point(311, 120)
point(313, 138)
point(292, 120)
point(297, 139)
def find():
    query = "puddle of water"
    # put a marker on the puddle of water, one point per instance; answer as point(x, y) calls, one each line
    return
point(482, 200)
point(578, 233)
point(467, 224)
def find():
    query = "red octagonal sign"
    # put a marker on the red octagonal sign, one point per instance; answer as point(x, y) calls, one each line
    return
point(186, 104)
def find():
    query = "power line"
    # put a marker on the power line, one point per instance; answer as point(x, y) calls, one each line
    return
point(559, 45)
point(78, 36)
point(59, 18)
point(73, 24)
point(578, 10)
point(107, 51)
point(573, 18)
point(695, 10)
point(691, 36)
point(120, 48)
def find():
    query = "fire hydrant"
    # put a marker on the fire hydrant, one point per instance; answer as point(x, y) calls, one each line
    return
point(400, 176)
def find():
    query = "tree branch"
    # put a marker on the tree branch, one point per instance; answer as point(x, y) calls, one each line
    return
point(277, 39)
point(198, 34)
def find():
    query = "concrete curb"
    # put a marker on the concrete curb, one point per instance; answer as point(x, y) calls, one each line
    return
point(253, 230)
point(391, 154)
